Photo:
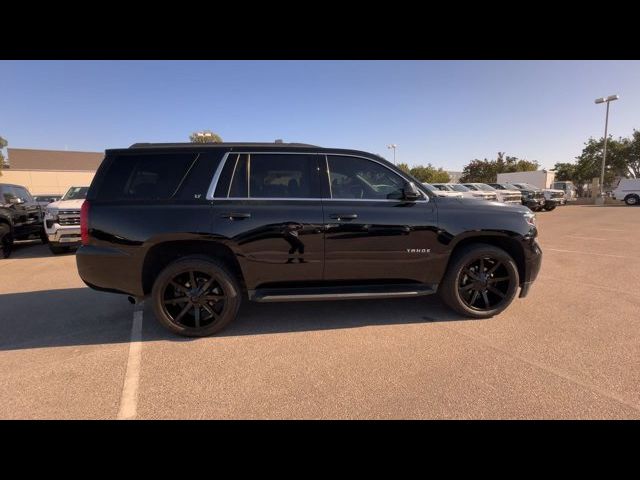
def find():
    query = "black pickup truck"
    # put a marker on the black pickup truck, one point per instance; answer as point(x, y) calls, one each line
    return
point(21, 217)
point(199, 227)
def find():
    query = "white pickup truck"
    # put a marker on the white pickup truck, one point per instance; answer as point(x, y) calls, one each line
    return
point(628, 190)
point(62, 220)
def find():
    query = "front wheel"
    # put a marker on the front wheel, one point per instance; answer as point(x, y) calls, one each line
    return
point(196, 296)
point(481, 281)
point(550, 207)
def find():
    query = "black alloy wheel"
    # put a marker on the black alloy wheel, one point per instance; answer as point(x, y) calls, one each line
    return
point(480, 282)
point(484, 283)
point(195, 296)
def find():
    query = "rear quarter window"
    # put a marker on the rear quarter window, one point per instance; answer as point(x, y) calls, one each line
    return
point(158, 176)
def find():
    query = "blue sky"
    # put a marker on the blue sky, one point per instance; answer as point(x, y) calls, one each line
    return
point(443, 112)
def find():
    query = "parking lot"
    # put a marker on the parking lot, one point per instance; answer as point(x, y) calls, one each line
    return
point(571, 349)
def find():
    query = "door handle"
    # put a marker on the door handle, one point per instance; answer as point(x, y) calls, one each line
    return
point(236, 216)
point(344, 216)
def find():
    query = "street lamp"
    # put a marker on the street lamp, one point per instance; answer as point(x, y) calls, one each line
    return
point(609, 99)
point(394, 146)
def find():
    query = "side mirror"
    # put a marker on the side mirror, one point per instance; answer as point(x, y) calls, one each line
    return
point(410, 192)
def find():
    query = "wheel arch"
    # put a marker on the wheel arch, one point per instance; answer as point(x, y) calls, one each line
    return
point(498, 239)
point(162, 254)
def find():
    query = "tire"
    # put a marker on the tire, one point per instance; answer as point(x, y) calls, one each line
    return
point(56, 249)
point(190, 312)
point(6, 241)
point(632, 200)
point(550, 207)
point(458, 280)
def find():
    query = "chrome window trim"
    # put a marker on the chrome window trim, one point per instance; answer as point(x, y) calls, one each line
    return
point(216, 178)
point(235, 166)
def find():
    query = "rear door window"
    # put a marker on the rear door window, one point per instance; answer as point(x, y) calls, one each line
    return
point(274, 175)
point(184, 176)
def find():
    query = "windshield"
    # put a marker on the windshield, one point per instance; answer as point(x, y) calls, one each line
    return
point(485, 187)
point(76, 193)
point(526, 186)
point(430, 187)
point(471, 187)
point(459, 188)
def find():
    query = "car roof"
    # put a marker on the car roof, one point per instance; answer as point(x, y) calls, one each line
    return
point(240, 147)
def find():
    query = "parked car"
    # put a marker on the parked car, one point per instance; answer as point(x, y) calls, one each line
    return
point(20, 217)
point(466, 191)
point(569, 189)
point(503, 195)
point(442, 193)
point(628, 190)
point(62, 220)
point(45, 199)
point(549, 202)
point(198, 227)
point(532, 197)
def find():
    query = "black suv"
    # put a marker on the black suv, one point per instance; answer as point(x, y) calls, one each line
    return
point(21, 217)
point(199, 227)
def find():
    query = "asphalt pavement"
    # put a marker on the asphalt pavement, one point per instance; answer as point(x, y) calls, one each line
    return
point(571, 349)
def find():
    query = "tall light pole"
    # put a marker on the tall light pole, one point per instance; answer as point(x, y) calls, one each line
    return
point(394, 146)
point(609, 99)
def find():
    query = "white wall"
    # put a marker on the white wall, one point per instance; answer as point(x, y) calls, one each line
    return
point(538, 178)
point(47, 181)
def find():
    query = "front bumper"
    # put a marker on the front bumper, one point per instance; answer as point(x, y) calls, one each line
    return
point(66, 235)
point(533, 261)
point(533, 203)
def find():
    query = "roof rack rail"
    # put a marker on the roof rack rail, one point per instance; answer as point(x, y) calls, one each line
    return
point(222, 144)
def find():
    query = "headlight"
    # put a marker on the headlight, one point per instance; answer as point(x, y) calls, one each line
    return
point(530, 218)
point(51, 213)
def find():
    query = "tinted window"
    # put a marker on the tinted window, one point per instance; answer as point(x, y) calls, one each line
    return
point(283, 176)
point(23, 194)
point(146, 177)
point(353, 177)
point(76, 193)
point(198, 180)
point(7, 193)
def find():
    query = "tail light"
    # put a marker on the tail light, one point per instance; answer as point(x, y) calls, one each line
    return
point(84, 222)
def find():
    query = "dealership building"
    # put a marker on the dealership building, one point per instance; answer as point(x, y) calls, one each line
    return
point(50, 171)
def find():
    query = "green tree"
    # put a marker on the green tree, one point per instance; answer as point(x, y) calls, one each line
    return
point(632, 154)
point(486, 171)
point(206, 136)
point(430, 174)
point(404, 167)
point(3, 144)
point(565, 171)
point(589, 162)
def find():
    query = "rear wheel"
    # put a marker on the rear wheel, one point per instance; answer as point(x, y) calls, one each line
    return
point(6, 241)
point(632, 200)
point(481, 281)
point(549, 207)
point(196, 296)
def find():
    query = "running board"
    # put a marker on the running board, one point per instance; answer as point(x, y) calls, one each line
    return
point(356, 292)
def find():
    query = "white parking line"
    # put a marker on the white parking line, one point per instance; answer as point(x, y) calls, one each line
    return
point(129, 397)
point(587, 253)
point(586, 238)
